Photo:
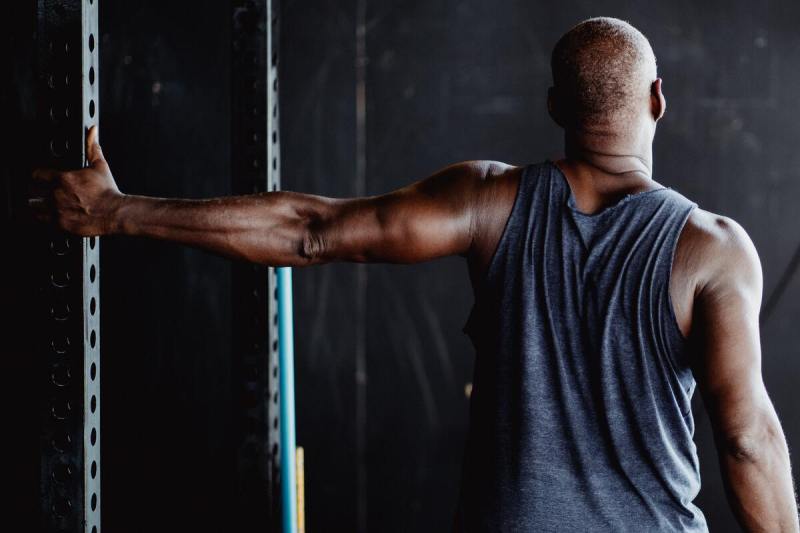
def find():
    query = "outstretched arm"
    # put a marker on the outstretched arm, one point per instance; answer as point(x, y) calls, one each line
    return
point(752, 449)
point(431, 218)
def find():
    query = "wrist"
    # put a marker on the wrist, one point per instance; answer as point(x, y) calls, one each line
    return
point(115, 218)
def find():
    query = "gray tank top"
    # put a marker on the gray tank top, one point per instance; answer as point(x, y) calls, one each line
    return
point(580, 413)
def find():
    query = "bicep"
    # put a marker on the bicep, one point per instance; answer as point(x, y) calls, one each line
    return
point(425, 220)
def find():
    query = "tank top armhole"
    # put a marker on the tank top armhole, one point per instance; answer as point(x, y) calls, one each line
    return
point(502, 242)
point(673, 318)
point(504, 236)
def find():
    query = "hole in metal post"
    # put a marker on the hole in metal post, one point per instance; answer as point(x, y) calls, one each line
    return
point(62, 506)
point(59, 312)
point(61, 375)
point(62, 442)
point(60, 279)
point(60, 410)
point(93, 371)
point(91, 75)
point(93, 338)
point(91, 108)
point(62, 472)
point(59, 147)
point(60, 346)
point(91, 42)
point(60, 246)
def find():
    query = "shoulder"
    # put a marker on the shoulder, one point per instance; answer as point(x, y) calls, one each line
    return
point(487, 188)
point(494, 187)
point(480, 171)
point(720, 252)
point(469, 182)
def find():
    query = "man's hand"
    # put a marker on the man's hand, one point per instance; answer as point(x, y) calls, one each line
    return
point(82, 202)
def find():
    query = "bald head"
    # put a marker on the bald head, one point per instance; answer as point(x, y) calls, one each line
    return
point(603, 73)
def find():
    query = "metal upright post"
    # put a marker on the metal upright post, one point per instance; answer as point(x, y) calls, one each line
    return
point(254, 169)
point(281, 330)
point(67, 273)
point(276, 437)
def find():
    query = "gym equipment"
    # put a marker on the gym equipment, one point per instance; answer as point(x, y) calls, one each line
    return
point(67, 274)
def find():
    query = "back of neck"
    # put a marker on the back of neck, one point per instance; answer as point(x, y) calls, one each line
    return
point(611, 154)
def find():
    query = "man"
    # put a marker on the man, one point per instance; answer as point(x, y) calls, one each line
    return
point(600, 296)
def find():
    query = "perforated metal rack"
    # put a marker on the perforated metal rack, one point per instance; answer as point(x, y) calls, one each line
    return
point(67, 273)
point(255, 168)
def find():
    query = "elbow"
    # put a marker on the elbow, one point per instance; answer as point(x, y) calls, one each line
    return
point(743, 449)
point(312, 246)
point(755, 446)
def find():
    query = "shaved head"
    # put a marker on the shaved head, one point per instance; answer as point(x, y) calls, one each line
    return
point(603, 70)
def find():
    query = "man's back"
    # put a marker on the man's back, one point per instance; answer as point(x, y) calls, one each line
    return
point(581, 406)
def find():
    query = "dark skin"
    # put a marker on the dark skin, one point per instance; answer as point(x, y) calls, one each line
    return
point(715, 285)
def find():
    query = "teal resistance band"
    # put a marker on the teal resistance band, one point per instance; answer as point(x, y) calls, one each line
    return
point(286, 366)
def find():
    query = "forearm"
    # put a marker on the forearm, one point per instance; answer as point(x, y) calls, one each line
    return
point(268, 228)
point(759, 485)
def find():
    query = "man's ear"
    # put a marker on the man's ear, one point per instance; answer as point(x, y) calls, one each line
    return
point(658, 104)
point(553, 106)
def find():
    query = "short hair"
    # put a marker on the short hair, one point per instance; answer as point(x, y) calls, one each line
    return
point(602, 71)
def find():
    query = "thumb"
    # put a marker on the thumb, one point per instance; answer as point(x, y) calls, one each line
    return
point(94, 154)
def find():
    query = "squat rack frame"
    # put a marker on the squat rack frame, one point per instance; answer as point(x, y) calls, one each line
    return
point(67, 277)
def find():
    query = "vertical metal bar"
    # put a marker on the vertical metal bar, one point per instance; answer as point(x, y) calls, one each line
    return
point(254, 167)
point(282, 354)
point(68, 271)
point(274, 183)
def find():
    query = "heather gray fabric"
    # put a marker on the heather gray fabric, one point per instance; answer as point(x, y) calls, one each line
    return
point(581, 401)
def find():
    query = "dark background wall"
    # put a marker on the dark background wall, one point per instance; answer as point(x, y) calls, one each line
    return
point(445, 81)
